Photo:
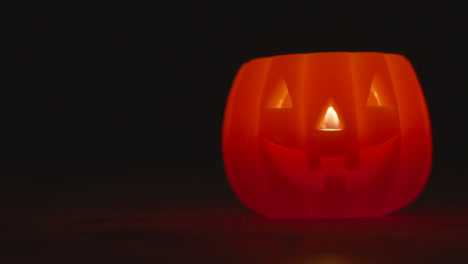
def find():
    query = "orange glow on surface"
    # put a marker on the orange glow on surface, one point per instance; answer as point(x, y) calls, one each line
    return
point(368, 152)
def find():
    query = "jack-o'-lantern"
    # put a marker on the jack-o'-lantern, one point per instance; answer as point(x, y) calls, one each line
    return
point(327, 135)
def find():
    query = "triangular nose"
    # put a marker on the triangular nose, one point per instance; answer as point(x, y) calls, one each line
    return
point(331, 121)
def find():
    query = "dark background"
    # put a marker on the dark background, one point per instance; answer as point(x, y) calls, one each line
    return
point(122, 103)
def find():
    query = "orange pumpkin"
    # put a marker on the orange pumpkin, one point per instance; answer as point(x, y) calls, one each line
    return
point(326, 135)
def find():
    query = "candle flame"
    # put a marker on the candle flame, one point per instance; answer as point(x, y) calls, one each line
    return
point(331, 122)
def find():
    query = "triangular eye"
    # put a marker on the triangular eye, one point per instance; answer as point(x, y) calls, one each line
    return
point(330, 121)
point(377, 95)
point(280, 97)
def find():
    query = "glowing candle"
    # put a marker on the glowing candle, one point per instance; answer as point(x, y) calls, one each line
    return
point(331, 121)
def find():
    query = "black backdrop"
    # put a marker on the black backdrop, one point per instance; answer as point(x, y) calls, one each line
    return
point(126, 89)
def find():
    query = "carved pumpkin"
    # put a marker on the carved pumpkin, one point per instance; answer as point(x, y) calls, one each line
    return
point(326, 135)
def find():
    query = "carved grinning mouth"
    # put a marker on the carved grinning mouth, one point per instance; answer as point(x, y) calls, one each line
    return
point(291, 163)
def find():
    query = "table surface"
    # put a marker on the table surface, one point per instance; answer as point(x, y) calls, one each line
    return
point(189, 222)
